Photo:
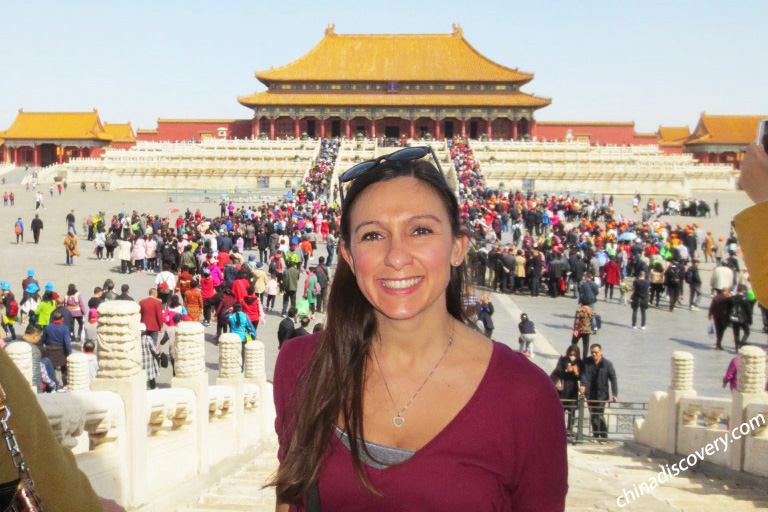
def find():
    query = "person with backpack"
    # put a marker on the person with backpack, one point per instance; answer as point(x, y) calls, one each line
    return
point(11, 310)
point(323, 278)
point(18, 228)
point(588, 291)
point(312, 290)
point(70, 245)
point(673, 282)
point(740, 315)
point(693, 278)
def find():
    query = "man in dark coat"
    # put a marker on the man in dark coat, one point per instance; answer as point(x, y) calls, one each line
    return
point(740, 315)
point(693, 278)
point(599, 385)
point(286, 327)
point(37, 226)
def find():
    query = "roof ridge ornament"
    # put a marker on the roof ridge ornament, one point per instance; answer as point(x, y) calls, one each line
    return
point(457, 30)
point(330, 30)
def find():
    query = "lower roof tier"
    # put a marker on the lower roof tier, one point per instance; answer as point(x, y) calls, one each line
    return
point(271, 98)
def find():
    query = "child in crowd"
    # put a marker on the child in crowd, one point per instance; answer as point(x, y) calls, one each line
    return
point(89, 347)
point(273, 287)
point(527, 335)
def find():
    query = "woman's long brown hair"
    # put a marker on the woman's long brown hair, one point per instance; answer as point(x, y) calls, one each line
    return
point(334, 381)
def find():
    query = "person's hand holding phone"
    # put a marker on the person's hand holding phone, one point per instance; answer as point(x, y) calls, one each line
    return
point(754, 173)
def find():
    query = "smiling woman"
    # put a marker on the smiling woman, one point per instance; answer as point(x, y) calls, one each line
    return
point(400, 393)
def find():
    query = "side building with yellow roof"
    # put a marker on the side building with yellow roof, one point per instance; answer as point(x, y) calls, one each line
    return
point(721, 139)
point(40, 139)
point(394, 85)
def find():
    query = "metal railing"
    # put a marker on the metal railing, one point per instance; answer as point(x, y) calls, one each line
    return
point(600, 420)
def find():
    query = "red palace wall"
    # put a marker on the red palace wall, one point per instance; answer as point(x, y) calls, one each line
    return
point(619, 133)
point(175, 131)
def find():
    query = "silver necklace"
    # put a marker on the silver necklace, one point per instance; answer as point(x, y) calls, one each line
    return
point(398, 418)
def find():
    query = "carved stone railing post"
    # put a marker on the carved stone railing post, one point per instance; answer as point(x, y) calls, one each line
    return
point(680, 387)
point(751, 387)
point(21, 354)
point(191, 374)
point(231, 374)
point(256, 373)
point(120, 372)
point(78, 376)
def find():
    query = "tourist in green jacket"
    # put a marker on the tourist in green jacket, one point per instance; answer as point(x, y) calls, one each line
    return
point(45, 308)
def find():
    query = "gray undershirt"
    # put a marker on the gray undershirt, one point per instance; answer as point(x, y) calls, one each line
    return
point(384, 456)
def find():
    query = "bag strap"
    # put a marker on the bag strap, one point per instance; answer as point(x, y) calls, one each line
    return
point(10, 440)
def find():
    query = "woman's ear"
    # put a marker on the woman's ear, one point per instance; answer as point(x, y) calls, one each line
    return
point(459, 249)
point(347, 255)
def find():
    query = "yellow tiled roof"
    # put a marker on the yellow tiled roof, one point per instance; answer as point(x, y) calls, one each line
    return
point(725, 130)
point(517, 99)
point(57, 125)
point(120, 132)
point(394, 57)
point(673, 134)
point(145, 131)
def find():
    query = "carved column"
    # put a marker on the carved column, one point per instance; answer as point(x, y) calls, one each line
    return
point(230, 356)
point(751, 388)
point(191, 374)
point(682, 371)
point(297, 127)
point(21, 355)
point(322, 127)
point(255, 373)
point(437, 128)
point(78, 373)
point(412, 128)
point(231, 374)
point(120, 371)
point(514, 128)
point(347, 128)
point(489, 128)
point(271, 128)
point(463, 128)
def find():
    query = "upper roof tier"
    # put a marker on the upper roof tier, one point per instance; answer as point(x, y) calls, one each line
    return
point(725, 130)
point(394, 57)
point(57, 125)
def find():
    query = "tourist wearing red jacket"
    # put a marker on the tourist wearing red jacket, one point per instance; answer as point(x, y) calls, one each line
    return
point(611, 275)
point(151, 310)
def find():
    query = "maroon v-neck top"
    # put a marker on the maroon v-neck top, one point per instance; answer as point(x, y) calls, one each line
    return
point(504, 451)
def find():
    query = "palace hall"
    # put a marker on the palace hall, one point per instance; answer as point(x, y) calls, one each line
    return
point(394, 85)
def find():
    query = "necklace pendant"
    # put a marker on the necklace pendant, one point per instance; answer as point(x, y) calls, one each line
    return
point(398, 420)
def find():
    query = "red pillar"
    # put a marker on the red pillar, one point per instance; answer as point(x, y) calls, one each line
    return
point(464, 128)
point(489, 129)
point(271, 128)
point(255, 126)
point(322, 128)
point(373, 128)
point(15, 156)
point(36, 156)
point(60, 154)
point(532, 128)
point(514, 129)
point(347, 129)
point(297, 127)
point(437, 128)
point(412, 128)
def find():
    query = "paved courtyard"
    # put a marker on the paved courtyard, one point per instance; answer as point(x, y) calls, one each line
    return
point(641, 358)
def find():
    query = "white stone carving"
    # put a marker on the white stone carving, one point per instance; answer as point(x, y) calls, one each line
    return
point(21, 354)
point(119, 339)
point(169, 409)
point(751, 370)
point(190, 349)
point(78, 374)
point(255, 365)
point(221, 400)
point(682, 370)
point(230, 355)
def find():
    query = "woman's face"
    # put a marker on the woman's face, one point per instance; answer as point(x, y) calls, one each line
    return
point(401, 247)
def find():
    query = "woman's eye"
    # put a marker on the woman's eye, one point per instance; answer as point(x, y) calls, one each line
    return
point(370, 236)
point(422, 231)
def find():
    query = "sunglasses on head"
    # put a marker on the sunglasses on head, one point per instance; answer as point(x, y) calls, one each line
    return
point(402, 155)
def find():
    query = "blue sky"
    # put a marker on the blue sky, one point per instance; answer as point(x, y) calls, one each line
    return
point(652, 62)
